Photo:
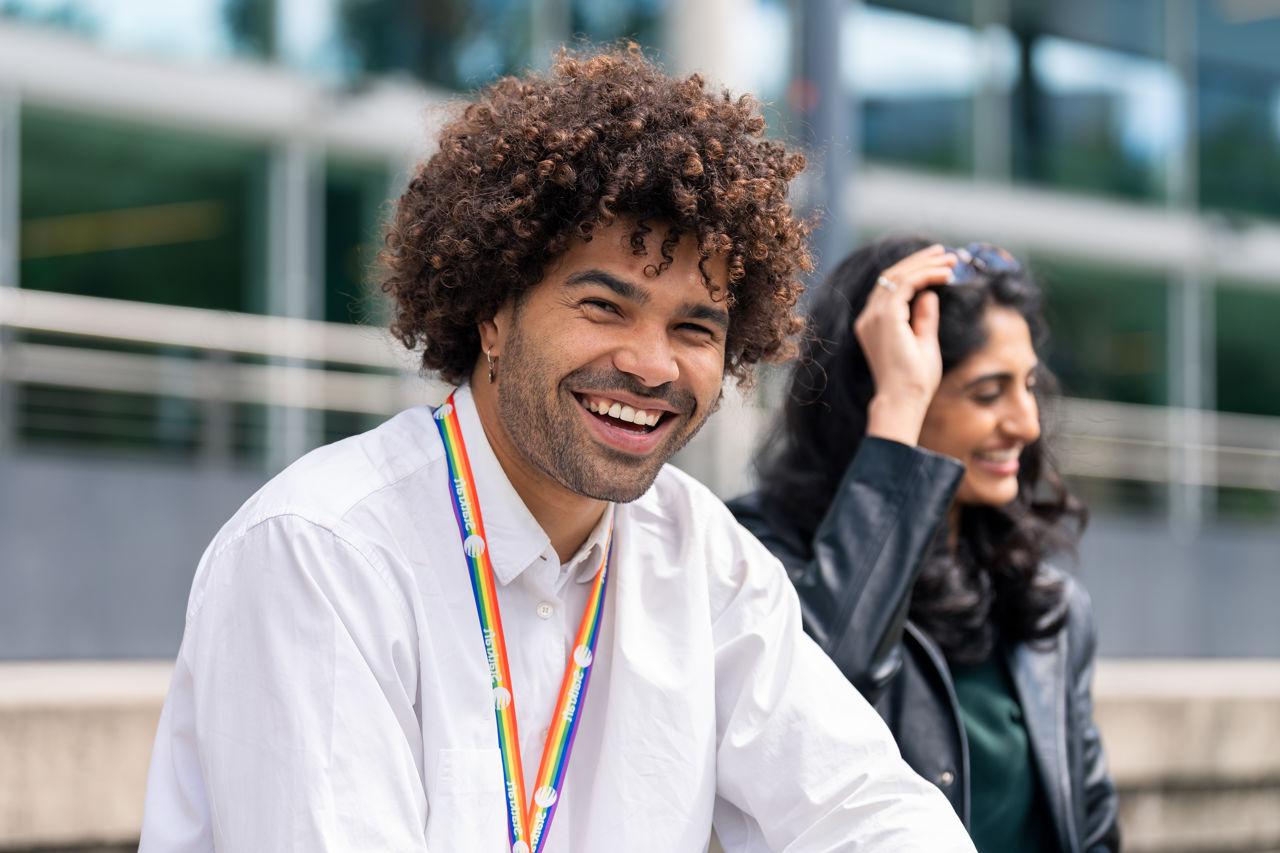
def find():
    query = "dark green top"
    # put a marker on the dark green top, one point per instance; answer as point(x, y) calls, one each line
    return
point(1007, 811)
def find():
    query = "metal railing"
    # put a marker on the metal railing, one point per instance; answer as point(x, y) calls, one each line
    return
point(60, 341)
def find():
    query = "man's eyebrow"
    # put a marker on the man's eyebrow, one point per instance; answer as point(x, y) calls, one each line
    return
point(716, 316)
point(692, 310)
point(620, 286)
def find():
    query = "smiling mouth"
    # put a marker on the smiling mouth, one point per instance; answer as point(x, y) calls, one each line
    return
point(621, 416)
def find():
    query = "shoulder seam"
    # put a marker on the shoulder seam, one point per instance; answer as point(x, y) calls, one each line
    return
point(194, 608)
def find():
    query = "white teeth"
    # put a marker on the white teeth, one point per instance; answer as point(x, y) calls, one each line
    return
point(617, 410)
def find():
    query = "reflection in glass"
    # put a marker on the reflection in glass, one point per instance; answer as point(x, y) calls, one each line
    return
point(1109, 335)
point(1247, 381)
point(355, 199)
point(1111, 120)
point(1109, 341)
point(607, 20)
point(1238, 73)
point(916, 79)
point(133, 212)
point(1248, 349)
point(456, 44)
point(136, 213)
point(354, 196)
point(189, 29)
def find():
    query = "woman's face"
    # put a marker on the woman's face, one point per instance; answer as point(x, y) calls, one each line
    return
point(985, 413)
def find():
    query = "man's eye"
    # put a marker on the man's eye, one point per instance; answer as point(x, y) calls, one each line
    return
point(599, 305)
point(696, 327)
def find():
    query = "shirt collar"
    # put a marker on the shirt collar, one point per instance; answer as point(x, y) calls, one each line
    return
point(586, 562)
point(515, 539)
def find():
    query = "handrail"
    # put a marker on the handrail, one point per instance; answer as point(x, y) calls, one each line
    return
point(200, 328)
point(1098, 438)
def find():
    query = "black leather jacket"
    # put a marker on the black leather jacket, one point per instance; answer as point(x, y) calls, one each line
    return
point(855, 580)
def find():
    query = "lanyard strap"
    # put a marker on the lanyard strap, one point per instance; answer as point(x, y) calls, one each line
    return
point(527, 825)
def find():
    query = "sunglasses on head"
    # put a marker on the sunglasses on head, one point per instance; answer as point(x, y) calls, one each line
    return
point(978, 259)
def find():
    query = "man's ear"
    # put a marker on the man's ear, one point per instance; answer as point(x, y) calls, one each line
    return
point(493, 332)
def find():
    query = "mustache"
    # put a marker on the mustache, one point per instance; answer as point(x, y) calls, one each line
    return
point(604, 381)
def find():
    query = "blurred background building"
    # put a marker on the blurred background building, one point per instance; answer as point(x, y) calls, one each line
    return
point(190, 199)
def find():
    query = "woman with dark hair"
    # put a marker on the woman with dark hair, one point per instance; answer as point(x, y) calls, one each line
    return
point(908, 491)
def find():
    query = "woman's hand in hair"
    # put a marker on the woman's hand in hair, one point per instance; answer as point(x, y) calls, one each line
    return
point(898, 331)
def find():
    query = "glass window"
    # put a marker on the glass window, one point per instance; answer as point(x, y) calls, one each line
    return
point(187, 30)
point(52, 415)
point(452, 43)
point(134, 212)
point(1140, 498)
point(1095, 105)
point(1238, 76)
point(1251, 506)
point(1108, 341)
point(608, 20)
point(1248, 349)
point(915, 79)
point(355, 195)
point(1108, 331)
point(456, 44)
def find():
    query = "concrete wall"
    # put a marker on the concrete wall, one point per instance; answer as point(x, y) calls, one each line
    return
point(75, 741)
point(1194, 747)
point(96, 558)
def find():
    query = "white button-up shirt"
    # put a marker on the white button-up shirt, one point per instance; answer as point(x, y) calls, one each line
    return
point(332, 692)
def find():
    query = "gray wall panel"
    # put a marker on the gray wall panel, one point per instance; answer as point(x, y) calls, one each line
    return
point(96, 556)
point(96, 559)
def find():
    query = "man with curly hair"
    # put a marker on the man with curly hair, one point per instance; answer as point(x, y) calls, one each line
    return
point(504, 624)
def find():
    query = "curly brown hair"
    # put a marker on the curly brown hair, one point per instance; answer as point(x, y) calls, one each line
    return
point(536, 161)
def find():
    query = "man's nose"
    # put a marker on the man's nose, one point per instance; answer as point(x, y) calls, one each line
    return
point(648, 356)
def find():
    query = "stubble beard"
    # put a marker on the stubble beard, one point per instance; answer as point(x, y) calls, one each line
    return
point(535, 410)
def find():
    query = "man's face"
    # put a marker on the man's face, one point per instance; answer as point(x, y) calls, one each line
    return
point(605, 372)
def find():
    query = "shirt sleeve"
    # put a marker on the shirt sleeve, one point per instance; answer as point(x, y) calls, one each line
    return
point(291, 723)
point(803, 761)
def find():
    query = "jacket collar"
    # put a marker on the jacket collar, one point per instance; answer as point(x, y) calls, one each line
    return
point(515, 539)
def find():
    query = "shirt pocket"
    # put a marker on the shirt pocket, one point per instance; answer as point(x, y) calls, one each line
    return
point(467, 809)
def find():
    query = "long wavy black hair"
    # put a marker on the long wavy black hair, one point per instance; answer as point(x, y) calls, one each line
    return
point(986, 582)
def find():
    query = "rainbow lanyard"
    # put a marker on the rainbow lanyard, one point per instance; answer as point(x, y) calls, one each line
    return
point(527, 826)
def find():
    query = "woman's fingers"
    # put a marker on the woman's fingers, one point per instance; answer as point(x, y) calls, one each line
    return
point(924, 317)
point(915, 272)
point(896, 300)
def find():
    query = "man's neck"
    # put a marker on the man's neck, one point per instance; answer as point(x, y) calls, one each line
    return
point(565, 516)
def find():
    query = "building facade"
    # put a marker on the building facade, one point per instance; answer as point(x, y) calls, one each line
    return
point(190, 199)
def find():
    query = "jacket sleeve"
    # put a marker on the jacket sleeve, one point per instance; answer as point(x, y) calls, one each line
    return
point(803, 762)
point(1101, 804)
point(855, 578)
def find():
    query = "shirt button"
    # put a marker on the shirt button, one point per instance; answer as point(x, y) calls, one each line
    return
point(946, 778)
point(545, 609)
